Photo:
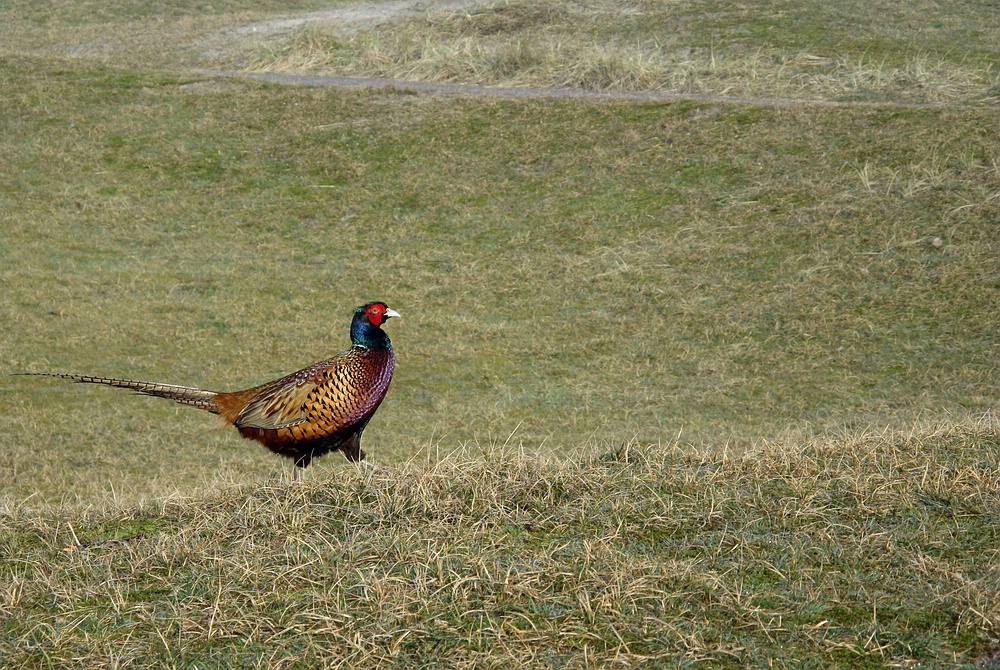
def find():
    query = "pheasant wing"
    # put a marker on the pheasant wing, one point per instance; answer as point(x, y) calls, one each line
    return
point(283, 405)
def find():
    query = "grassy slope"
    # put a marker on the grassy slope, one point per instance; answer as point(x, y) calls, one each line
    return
point(869, 551)
point(590, 272)
point(130, 33)
point(582, 274)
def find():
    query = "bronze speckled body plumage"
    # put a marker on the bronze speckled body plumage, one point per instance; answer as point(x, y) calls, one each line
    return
point(308, 413)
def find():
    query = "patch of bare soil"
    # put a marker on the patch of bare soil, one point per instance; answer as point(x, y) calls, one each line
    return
point(349, 19)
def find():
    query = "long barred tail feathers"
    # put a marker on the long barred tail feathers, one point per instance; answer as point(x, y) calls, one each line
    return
point(185, 395)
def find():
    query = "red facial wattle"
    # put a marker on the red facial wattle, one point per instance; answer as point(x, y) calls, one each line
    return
point(376, 314)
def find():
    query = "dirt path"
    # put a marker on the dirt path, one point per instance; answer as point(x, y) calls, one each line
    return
point(509, 92)
point(350, 19)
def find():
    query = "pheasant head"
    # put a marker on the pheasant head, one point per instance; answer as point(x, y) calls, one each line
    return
point(366, 328)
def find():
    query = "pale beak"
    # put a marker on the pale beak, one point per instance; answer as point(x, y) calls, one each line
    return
point(391, 312)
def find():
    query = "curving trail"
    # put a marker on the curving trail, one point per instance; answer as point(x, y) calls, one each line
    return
point(516, 92)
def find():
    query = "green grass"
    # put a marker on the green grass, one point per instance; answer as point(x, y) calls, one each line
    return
point(682, 383)
point(869, 551)
point(125, 33)
point(585, 271)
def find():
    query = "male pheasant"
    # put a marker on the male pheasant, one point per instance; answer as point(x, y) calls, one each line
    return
point(308, 413)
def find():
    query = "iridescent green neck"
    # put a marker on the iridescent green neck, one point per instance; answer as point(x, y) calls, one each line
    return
point(364, 334)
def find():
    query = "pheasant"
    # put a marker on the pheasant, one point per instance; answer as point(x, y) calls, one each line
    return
point(322, 408)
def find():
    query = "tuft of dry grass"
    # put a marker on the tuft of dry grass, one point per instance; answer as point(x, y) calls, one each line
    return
point(411, 54)
point(860, 550)
point(605, 46)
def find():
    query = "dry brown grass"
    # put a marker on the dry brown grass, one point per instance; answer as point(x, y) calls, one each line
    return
point(866, 550)
point(614, 46)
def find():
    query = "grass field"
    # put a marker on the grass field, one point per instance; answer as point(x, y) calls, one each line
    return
point(875, 551)
point(678, 382)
